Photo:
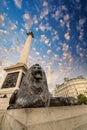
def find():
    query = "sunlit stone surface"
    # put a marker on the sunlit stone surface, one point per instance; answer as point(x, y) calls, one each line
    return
point(52, 118)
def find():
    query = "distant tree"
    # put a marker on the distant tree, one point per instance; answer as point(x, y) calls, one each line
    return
point(82, 99)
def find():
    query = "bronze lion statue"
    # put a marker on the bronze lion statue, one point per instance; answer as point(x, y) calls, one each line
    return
point(33, 91)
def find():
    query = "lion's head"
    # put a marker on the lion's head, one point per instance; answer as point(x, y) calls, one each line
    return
point(37, 72)
point(35, 79)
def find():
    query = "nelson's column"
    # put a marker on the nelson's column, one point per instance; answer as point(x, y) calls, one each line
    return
point(15, 74)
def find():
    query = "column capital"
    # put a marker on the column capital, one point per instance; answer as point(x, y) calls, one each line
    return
point(30, 33)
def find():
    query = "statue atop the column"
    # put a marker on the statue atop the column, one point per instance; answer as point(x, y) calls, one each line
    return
point(33, 92)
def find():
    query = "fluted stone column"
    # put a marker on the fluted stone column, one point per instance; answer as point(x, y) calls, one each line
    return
point(24, 54)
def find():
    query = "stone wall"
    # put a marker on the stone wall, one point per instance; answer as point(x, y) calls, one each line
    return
point(51, 118)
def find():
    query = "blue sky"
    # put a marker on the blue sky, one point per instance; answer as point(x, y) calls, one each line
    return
point(60, 29)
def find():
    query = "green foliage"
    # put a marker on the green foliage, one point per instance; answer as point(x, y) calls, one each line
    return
point(82, 98)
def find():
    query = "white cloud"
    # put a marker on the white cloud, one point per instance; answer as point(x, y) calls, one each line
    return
point(81, 35)
point(43, 62)
point(45, 3)
point(82, 21)
point(34, 49)
point(43, 38)
point(37, 53)
point(1, 20)
point(67, 56)
point(80, 51)
point(13, 27)
point(65, 47)
point(42, 27)
point(36, 29)
point(58, 48)
point(62, 22)
point(27, 25)
point(47, 41)
point(71, 59)
point(26, 16)
point(18, 3)
point(56, 15)
point(68, 26)
point(63, 7)
point(66, 17)
point(67, 36)
point(80, 24)
point(35, 19)
point(56, 37)
point(28, 21)
point(55, 58)
point(47, 26)
point(49, 51)
point(44, 13)
point(22, 30)
point(3, 31)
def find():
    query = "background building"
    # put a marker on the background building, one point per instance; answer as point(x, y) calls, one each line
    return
point(72, 87)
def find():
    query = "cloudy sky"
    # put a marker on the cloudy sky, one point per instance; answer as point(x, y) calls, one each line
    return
point(60, 30)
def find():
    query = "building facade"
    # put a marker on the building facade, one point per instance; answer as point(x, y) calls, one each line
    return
point(72, 87)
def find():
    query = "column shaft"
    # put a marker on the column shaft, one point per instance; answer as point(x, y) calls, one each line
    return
point(24, 54)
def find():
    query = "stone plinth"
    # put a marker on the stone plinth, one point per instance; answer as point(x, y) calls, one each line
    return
point(14, 75)
point(51, 118)
point(10, 84)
